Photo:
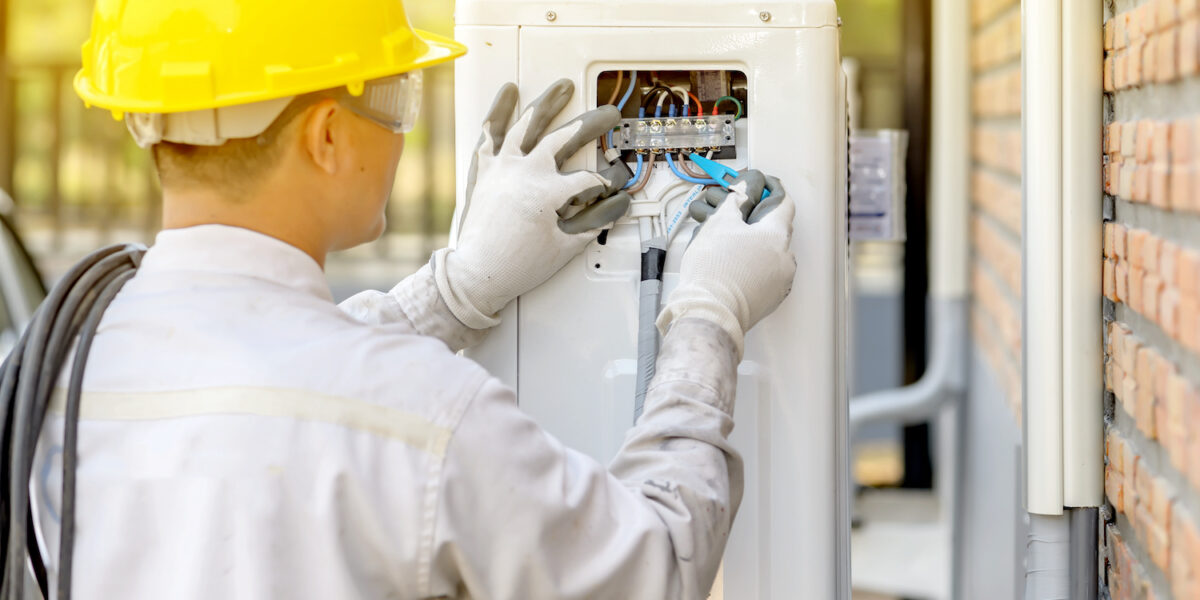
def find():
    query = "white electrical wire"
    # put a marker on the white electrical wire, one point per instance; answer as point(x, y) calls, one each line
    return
point(687, 100)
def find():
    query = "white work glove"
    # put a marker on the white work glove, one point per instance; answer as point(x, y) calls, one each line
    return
point(739, 266)
point(524, 219)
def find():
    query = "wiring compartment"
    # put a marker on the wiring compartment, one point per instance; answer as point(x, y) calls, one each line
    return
point(655, 105)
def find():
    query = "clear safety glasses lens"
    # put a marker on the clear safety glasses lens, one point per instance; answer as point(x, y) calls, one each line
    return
point(393, 102)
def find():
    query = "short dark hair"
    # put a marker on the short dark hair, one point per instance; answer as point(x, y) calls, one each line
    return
point(234, 166)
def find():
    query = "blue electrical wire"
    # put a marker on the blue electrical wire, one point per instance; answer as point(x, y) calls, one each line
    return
point(685, 176)
point(629, 91)
point(624, 99)
point(636, 174)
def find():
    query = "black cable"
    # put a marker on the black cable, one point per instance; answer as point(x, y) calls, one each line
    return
point(648, 99)
point(27, 378)
point(33, 343)
point(66, 545)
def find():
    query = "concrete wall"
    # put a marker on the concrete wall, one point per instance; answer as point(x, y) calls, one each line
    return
point(1150, 545)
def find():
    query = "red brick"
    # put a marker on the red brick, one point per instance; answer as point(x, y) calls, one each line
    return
point(1133, 66)
point(1131, 463)
point(1109, 30)
point(1178, 389)
point(1135, 25)
point(1129, 395)
point(1160, 143)
point(1168, 256)
point(1119, 378)
point(1108, 240)
point(1180, 182)
point(1136, 242)
point(1185, 555)
point(1125, 180)
point(1129, 132)
point(1191, 407)
point(1150, 252)
point(1166, 68)
point(1144, 140)
point(1143, 410)
point(1141, 183)
point(1121, 31)
point(1188, 273)
point(1122, 284)
point(1119, 238)
point(1189, 48)
point(1167, 14)
point(1137, 283)
point(1168, 311)
point(1182, 141)
point(1150, 59)
point(1152, 289)
point(1188, 333)
point(1110, 81)
point(1160, 189)
point(1110, 280)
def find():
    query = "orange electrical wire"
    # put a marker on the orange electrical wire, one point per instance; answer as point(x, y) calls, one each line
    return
point(699, 105)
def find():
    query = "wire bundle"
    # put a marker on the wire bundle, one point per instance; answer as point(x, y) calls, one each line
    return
point(27, 378)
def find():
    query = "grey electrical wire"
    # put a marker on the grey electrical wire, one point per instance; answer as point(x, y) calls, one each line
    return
point(654, 257)
point(73, 308)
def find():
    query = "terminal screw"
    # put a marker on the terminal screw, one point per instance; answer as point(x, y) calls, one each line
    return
point(551, 16)
point(764, 16)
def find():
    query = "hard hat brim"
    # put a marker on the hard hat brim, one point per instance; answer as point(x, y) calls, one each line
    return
point(441, 49)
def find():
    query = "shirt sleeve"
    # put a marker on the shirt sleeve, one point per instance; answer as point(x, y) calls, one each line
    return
point(522, 516)
point(415, 301)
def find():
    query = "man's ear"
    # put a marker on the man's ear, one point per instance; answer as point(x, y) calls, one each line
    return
point(319, 131)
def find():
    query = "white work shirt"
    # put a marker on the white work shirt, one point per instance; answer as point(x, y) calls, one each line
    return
point(244, 437)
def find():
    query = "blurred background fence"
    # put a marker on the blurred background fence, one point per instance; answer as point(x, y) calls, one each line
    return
point(78, 181)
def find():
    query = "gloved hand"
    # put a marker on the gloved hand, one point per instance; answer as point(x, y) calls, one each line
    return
point(738, 267)
point(524, 219)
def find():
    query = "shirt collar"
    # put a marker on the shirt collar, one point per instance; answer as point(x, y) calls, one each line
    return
point(236, 251)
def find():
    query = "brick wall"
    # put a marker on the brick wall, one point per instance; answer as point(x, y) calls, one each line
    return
point(1150, 540)
point(996, 189)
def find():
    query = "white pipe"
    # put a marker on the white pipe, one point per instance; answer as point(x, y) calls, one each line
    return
point(949, 161)
point(1082, 101)
point(1041, 141)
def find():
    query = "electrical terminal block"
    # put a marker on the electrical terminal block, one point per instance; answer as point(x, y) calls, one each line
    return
point(659, 134)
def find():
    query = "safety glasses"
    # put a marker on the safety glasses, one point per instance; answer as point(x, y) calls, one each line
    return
point(392, 102)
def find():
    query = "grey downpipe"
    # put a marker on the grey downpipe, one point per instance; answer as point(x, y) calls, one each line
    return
point(944, 377)
point(654, 258)
point(1084, 568)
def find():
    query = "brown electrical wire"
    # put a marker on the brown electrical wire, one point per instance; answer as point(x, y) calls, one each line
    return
point(686, 164)
point(616, 88)
point(645, 177)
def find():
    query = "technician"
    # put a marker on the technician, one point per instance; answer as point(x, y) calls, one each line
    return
point(244, 437)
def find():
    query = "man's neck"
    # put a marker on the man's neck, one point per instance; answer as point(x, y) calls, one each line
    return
point(189, 208)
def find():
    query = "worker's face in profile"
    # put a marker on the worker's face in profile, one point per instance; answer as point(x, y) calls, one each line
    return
point(375, 154)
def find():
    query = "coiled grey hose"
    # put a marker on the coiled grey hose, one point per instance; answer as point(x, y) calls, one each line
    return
point(27, 378)
point(654, 257)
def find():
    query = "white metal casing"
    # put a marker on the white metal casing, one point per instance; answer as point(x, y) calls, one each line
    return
point(569, 347)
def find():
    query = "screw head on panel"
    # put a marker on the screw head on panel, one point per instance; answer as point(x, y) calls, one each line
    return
point(764, 16)
point(551, 16)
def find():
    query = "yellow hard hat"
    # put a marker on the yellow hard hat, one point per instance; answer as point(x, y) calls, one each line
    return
point(165, 56)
